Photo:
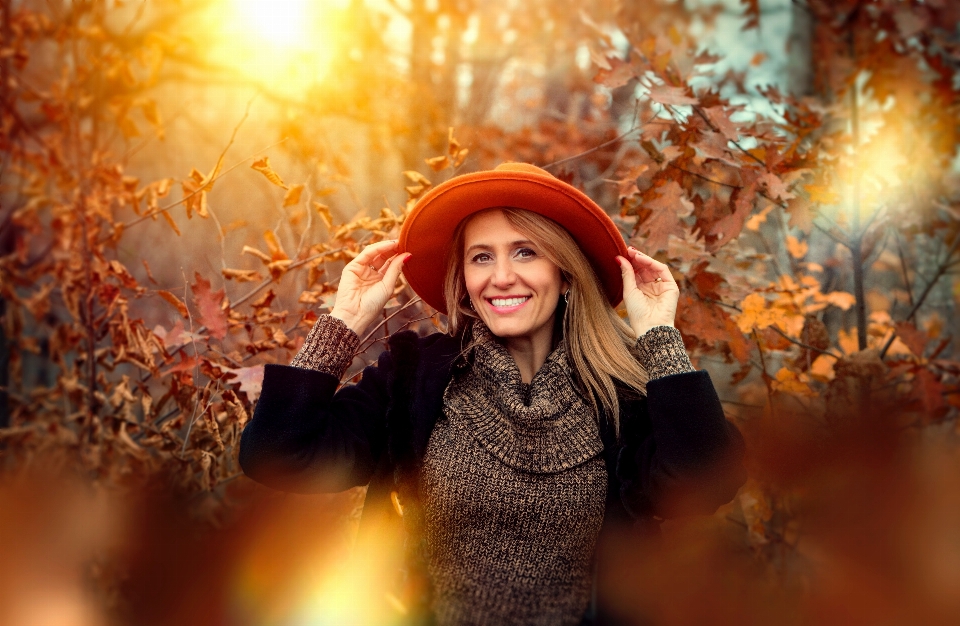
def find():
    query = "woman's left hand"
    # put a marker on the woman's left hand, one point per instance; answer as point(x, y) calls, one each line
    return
point(649, 291)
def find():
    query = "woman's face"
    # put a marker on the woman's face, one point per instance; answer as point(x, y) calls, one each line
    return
point(513, 287)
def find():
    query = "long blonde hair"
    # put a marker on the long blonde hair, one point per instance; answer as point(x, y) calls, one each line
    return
point(599, 344)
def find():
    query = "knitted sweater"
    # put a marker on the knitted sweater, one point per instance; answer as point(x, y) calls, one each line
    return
point(513, 483)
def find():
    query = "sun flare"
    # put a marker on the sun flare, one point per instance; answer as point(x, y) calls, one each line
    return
point(282, 23)
point(284, 45)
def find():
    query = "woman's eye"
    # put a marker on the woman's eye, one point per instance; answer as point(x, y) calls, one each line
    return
point(526, 253)
point(483, 257)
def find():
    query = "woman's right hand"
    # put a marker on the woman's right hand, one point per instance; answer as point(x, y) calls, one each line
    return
point(367, 283)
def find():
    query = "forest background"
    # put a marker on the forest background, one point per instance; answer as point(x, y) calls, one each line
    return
point(181, 182)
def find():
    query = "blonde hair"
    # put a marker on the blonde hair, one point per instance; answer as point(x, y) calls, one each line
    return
point(600, 346)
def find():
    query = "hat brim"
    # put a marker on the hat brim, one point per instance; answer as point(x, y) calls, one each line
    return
point(427, 233)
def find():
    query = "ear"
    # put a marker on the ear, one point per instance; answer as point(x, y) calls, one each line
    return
point(565, 282)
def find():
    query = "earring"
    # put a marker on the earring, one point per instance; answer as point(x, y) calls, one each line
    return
point(566, 297)
point(470, 304)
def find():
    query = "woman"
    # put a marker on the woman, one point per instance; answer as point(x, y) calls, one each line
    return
point(538, 425)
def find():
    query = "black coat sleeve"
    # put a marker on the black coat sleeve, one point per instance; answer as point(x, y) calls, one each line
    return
point(680, 455)
point(307, 437)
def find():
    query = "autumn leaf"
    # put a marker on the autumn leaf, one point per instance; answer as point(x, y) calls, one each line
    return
point(273, 244)
point(668, 208)
point(250, 379)
point(755, 312)
point(438, 163)
point(292, 196)
point(210, 305)
point(915, 340)
point(751, 13)
point(418, 178)
point(263, 166)
point(324, 212)
point(617, 73)
point(241, 276)
point(175, 301)
point(665, 94)
point(797, 249)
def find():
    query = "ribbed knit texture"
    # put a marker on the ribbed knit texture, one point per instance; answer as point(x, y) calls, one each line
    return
point(513, 488)
point(662, 352)
point(328, 348)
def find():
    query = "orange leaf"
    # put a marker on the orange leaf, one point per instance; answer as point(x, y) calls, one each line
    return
point(325, 215)
point(263, 166)
point(292, 196)
point(273, 244)
point(438, 163)
point(210, 304)
point(241, 276)
point(798, 249)
point(175, 301)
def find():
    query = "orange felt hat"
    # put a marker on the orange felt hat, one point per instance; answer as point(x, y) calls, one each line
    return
point(427, 232)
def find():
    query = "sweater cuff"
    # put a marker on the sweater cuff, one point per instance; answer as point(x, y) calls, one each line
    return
point(328, 348)
point(661, 352)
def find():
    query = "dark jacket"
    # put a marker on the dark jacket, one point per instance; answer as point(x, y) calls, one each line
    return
point(676, 453)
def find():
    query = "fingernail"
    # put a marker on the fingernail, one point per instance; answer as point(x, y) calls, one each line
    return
point(407, 258)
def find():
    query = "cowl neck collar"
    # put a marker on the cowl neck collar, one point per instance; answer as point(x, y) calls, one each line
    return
point(540, 427)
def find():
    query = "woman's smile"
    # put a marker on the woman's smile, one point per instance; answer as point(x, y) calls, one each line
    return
point(508, 304)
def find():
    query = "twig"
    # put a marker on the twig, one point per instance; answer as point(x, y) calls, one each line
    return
point(941, 270)
point(406, 305)
point(591, 150)
point(903, 268)
point(164, 209)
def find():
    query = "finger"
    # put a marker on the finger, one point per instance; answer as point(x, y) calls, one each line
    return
point(627, 273)
point(369, 254)
point(649, 268)
point(391, 270)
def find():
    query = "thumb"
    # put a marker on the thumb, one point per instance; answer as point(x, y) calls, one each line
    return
point(627, 273)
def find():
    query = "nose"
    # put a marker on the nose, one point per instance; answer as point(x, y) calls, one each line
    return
point(503, 274)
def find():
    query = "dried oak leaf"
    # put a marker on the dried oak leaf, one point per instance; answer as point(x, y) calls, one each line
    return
point(210, 305)
point(668, 208)
point(263, 166)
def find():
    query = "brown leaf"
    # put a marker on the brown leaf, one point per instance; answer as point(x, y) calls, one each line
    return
point(751, 13)
point(175, 301)
point(241, 276)
point(914, 339)
point(292, 196)
point(210, 305)
point(273, 244)
point(668, 209)
point(263, 166)
point(249, 378)
point(666, 94)
point(438, 163)
point(324, 212)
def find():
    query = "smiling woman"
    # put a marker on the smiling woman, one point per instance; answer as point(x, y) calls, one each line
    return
point(538, 427)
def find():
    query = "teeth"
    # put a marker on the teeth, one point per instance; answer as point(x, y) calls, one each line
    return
point(501, 302)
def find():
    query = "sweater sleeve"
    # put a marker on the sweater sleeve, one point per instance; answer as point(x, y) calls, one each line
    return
point(308, 436)
point(662, 352)
point(679, 455)
point(328, 348)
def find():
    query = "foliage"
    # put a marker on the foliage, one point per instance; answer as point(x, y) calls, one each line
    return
point(814, 234)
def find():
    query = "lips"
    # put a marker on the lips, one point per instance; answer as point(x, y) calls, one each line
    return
point(507, 304)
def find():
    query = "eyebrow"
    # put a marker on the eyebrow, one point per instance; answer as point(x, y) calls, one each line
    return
point(512, 244)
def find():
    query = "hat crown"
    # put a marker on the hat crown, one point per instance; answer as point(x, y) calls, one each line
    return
point(512, 166)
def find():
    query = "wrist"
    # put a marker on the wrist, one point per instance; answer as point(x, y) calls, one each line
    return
point(354, 322)
point(641, 329)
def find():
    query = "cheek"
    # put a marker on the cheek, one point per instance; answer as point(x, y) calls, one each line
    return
point(473, 281)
